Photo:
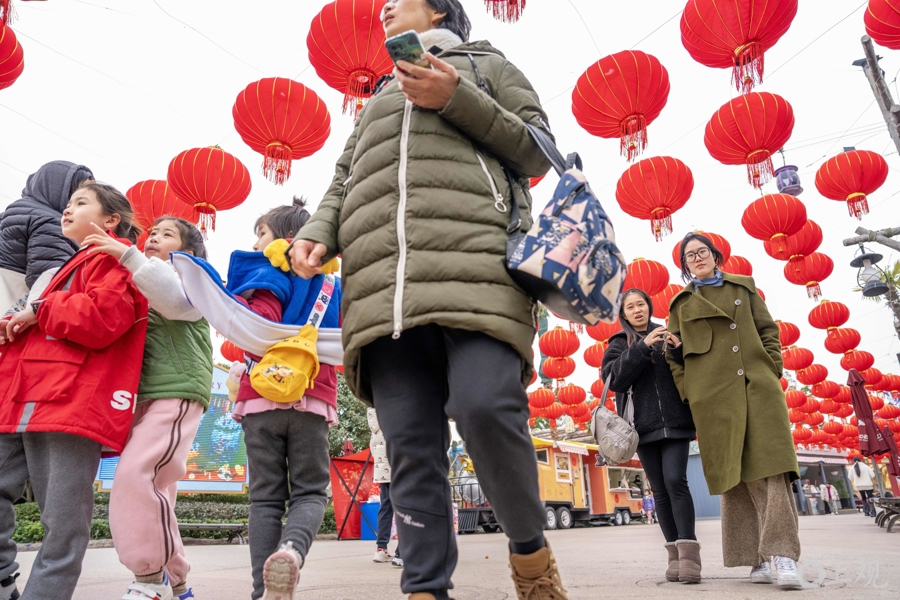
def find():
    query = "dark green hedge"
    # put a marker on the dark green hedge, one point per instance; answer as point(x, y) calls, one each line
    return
point(29, 528)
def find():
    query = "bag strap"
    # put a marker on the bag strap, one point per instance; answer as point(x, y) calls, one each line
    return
point(628, 413)
point(322, 302)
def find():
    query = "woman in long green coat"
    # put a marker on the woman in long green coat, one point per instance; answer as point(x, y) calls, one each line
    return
point(728, 371)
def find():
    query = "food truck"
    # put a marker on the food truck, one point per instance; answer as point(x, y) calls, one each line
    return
point(575, 485)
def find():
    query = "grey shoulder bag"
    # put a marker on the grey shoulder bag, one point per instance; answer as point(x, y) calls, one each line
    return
point(616, 436)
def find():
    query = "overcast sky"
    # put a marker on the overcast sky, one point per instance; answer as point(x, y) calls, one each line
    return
point(124, 85)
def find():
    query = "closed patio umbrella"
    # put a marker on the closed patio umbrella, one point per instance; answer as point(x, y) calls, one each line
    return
point(871, 439)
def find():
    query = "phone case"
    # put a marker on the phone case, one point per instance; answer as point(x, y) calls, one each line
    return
point(407, 46)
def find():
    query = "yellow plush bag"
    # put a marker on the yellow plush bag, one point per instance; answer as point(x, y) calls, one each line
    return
point(289, 367)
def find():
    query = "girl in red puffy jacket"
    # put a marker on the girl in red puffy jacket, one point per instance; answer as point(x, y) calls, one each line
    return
point(69, 370)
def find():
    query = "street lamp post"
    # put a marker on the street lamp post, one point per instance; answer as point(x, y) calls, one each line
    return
point(873, 280)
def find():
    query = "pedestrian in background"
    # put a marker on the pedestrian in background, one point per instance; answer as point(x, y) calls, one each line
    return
point(635, 367)
point(382, 476)
point(728, 370)
point(861, 476)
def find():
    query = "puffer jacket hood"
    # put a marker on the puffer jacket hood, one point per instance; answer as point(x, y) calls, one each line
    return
point(420, 204)
point(54, 183)
point(31, 238)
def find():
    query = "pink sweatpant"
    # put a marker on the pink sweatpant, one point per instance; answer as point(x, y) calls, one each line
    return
point(142, 502)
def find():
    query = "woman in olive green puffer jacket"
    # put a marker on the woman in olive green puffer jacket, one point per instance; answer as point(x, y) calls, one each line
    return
point(434, 327)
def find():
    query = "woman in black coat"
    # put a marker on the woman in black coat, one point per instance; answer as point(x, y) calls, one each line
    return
point(635, 364)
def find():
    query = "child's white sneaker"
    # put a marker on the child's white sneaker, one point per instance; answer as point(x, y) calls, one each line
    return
point(382, 556)
point(397, 562)
point(153, 591)
point(762, 573)
point(281, 573)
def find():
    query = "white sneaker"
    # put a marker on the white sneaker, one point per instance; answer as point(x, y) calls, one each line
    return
point(8, 590)
point(281, 573)
point(153, 591)
point(382, 556)
point(786, 570)
point(397, 562)
point(762, 573)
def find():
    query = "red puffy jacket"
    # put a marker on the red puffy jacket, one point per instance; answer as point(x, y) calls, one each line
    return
point(77, 370)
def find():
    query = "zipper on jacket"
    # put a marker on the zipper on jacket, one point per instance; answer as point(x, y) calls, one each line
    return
point(500, 203)
point(401, 220)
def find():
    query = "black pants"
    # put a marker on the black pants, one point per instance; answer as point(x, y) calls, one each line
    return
point(665, 463)
point(428, 374)
point(385, 519)
point(868, 508)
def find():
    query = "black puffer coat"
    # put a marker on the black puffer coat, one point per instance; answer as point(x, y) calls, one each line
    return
point(31, 239)
point(659, 412)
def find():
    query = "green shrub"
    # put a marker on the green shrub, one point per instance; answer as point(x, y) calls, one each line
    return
point(329, 525)
point(27, 511)
point(100, 529)
point(215, 498)
point(28, 531)
point(211, 512)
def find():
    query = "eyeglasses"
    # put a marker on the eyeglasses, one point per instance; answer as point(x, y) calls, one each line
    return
point(693, 256)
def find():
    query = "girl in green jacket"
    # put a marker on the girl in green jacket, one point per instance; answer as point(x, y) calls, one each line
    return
point(174, 392)
point(728, 370)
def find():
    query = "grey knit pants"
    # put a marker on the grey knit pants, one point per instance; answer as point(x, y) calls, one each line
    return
point(288, 464)
point(759, 521)
point(62, 469)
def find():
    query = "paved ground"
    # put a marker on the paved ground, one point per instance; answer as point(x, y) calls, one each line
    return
point(847, 554)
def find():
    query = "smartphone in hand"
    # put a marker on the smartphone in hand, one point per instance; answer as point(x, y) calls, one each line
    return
point(407, 46)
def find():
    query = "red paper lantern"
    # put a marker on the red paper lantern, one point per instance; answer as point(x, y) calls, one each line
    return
point(153, 199)
point(850, 177)
point(788, 332)
point(577, 410)
point(774, 217)
point(738, 265)
point(843, 396)
point(812, 375)
point(784, 384)
point(833, 428)
point(593, 356)
point(647, 275)
point(210, 180)
point(558, 368)
point(814, 418)
point(748, 130)
point(601, 332)
point(717, 240)
point(816, 268)
point(572, 394)
point(828, 406)
point(796, 359)
point(724, 34)
point(619, 96)
point(871, 375)
point(534, 414)
point(283, 120)
point(12, 57)
point(795, 416)
point(597, 390)
point(826, 389)
point(534, 181)
point(231, 353)
point(844, 411)
point(541, 398)
point(653, 190)
point(876, 403)
point(346, 48)
point(555, 411)
point(882, 21)
point(801, 434)
point(829, 315)
point(857, 359)
point(889, 412)
point(508, 11)
point(810, 406)
point(661, 300)
point(559, 342)
point(841, 341)
point(795, 398)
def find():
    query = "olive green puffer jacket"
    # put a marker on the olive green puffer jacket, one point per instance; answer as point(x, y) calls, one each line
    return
point(418, 209)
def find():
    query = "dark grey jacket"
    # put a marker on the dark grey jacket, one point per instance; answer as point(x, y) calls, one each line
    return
point(31, 239)
point(659, 412)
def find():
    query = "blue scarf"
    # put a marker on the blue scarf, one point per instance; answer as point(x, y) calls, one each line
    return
point(715, 281)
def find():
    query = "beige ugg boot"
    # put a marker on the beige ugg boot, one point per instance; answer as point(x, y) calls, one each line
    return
point(672, 570)
point(536, 576)
point(688, 561)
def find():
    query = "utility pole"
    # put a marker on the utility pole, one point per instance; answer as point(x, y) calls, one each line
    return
point(881, 237)
point(889, 109)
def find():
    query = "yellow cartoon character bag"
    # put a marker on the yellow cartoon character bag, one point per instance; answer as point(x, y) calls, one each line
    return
point(289, 367)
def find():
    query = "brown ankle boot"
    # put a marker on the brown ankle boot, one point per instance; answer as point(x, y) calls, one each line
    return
point(672, 571)
point(536, 576)
point(688, 561)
